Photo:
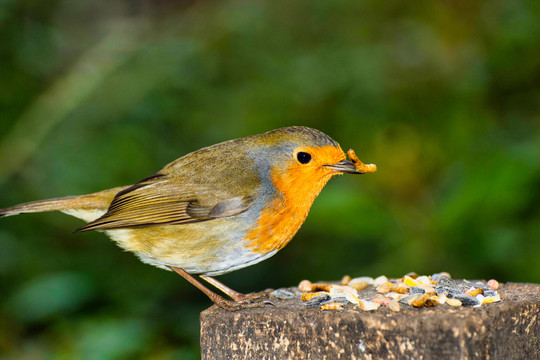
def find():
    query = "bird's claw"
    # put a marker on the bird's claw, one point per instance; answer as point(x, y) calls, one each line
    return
point(248, 301)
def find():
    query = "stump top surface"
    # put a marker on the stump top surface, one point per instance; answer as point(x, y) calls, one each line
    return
point(512, 294)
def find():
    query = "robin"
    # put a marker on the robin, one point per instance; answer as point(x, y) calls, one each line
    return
point(218, 209)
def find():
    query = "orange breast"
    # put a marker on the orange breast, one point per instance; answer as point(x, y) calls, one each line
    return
point(298, 185)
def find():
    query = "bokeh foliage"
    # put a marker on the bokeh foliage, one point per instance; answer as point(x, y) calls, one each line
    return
point(443, 96)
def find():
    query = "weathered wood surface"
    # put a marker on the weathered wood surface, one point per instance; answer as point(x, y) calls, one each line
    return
point(509, 329)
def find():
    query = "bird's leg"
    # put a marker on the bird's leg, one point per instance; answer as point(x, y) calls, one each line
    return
point(212, 295)
point(216, 299)
point(232, 293)
point(235, 295)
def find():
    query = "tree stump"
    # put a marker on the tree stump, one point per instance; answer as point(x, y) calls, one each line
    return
point(509, 329)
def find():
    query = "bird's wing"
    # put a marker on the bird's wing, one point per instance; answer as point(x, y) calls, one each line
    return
point(157, 200)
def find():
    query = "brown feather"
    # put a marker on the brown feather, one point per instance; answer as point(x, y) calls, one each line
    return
point(160, 200)
point(95, 201)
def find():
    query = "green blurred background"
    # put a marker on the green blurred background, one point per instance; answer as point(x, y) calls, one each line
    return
point(443, 96)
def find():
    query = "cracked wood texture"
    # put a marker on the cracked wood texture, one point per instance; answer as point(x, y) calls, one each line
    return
point(509, 329)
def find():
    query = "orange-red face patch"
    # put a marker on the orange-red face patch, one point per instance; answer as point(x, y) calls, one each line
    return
point(298, 185)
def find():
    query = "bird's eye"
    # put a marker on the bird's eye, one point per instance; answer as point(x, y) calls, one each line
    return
point(303, 157)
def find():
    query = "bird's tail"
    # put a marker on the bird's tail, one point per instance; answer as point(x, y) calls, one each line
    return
point(85, 207)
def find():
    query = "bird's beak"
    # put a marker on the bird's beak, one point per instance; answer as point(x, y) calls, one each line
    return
point(344, 166)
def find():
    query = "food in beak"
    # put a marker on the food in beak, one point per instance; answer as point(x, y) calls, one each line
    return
point(360, 166)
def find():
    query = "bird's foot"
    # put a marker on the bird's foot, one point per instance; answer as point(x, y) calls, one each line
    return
point(248, 301)
point(255, 296)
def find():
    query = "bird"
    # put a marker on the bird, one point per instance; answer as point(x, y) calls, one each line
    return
point(218, 209)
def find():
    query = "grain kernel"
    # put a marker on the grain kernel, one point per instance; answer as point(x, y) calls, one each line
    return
point(399, 288)
point(453, 302)
point(420, 300)
point(394, 305)
point(379, 299)
point(474, 292)
point(379, 281)
point(410, 281)
point(393, 295)
point(345, 280)
point(332, 306)
point(305, 285)
point(493, 284)
point(384, 288)
point(367, 305)
point(344, 291)
point(367, 279)
point(310, 295)
point(491, 299)
point(412, 274)
point(423, 280)
point(321, 287)
point(358, 284)
point(432, 301)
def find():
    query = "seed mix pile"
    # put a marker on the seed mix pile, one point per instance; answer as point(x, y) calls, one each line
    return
point(411, 290)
